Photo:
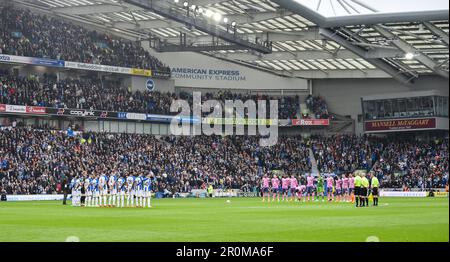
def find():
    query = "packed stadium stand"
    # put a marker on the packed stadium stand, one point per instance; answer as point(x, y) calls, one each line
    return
point(26, 34)
point(87, 88)
point(94, 94)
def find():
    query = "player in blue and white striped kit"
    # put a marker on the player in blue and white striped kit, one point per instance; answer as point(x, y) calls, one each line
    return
point(103, 189)
point(121, 191)
point(78, 185)
point(112, 190)
point(130, 191)
point(94, 188)
point(148, 191)
point(139, 190)
point(88, 191)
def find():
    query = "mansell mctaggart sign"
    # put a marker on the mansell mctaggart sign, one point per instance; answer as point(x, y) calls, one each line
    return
point(400, 124)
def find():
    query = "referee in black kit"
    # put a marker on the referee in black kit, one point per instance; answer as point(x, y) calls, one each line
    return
point(65, 189)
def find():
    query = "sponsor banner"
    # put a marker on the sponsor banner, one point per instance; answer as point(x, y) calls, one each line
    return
point(141, 72)
point(159, 118)
point(34, 197)
point(131, 116)
point(16, 109)
point(248, 194)
point(403, 194)
point(100, 68)
point(161, 74)
point(81, 113)
point(31, 61)
point(239, 121)
point(81, 66)
point(38, 110)
point(400, 124)
point(311, 122)
point(169, 119)
point(441, 194)
point(226, 193)
point(47, 62)
point(2, 108)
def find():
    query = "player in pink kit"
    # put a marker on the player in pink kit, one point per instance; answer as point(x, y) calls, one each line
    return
point(310, 187)
point(275, 184)
point(338, 189)
point(345, 185)
point(294, 185)
point(285, 183)
point(351, 186)
point(330, 183)
point(301, 189)
point(265, 188)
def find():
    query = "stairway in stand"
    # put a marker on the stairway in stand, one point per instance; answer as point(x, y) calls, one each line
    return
point(312, 159)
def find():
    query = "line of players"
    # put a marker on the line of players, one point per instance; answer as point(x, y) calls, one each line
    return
point(339, 188)
point(112, 191)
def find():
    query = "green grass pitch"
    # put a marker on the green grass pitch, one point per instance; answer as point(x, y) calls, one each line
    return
point(242, 220)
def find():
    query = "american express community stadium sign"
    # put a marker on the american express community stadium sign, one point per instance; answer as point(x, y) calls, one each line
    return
point(207, 74)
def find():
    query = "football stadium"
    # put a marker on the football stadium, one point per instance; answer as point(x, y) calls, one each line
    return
point(224, 121)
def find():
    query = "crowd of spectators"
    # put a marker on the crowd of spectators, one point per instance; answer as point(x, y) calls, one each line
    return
point(87, 93)
point(37, 161)
point(397, 162)
point(24, 33)
point(317, 106)
point(288, 106)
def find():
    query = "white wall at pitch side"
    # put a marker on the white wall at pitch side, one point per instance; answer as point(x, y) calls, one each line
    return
point(254, 79)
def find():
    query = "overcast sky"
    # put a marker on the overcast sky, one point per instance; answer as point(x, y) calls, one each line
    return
point(385, 6)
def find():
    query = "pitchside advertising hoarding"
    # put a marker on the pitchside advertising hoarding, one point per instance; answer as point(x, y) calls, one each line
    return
point(400, 125)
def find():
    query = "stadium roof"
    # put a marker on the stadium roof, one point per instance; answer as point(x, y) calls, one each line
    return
point(351, 42)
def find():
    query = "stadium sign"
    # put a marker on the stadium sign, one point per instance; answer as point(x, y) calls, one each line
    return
point(311, 122)
point(207, 74)
point(150, 85)
point(400, 124)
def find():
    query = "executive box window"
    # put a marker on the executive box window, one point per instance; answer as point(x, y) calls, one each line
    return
point(406, 107)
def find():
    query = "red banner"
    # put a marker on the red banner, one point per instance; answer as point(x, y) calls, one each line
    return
point(311, 122)
point(2, 108)
point(38, 110)
point(401, 124)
